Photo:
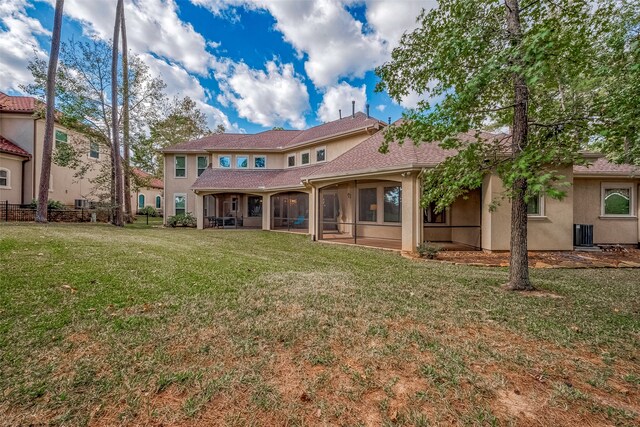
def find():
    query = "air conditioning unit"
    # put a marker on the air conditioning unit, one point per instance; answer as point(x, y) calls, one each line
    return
point(81, 203)
point(582, 235)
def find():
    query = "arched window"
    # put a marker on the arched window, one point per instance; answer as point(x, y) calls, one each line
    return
point(141, 201)
point(158, 202)
point(5, 178)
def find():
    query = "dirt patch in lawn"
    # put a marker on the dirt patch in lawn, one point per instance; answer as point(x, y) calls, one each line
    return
point(625, 258)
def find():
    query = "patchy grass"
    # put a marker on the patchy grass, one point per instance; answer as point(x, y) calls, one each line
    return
point(150, 326)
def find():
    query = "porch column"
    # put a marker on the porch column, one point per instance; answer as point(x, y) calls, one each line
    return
point(410, 217)
point(199, 211)
point(313, 212)
point(266, 212)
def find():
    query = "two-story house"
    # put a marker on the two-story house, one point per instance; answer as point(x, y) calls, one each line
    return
point(331, 182)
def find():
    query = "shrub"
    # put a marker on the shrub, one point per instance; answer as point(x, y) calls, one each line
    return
point(182, 220)
point(429, 250)
point(148, 210)
point(53, 204)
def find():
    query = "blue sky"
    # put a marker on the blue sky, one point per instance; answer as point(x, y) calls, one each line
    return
point(249, 64)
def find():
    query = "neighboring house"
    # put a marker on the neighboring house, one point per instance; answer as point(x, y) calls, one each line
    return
point(331, 182)
point(21, 142)
point(146, 191)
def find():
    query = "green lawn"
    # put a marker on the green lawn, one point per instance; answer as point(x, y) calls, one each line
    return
point(150, 326)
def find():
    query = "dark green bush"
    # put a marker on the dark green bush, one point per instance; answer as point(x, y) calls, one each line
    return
point(182, 220)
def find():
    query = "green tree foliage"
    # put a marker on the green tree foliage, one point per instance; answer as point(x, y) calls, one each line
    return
point(526, 66)
point(183, 122)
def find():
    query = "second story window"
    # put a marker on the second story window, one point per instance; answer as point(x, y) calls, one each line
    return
point(181, 167)
point(61, 137)
point(202, 164)
point(242, 162)
point(94, 150)
point(321, 155)
point(224, 161)
point(291, 160)
point(260, 162)
point(304, 158)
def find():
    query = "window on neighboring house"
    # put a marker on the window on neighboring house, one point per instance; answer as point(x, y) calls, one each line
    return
point(94, 150)
point(141, 201)
point(5, 178)
point(535, 207)
point(260, 162)
point(202, 164)
point(368, 204)
point(617, 199)
point(61, 137)
point(304, 158)
point(181, 167)
point(180, 203)
point(321, 155)
point(291, 160)
point(255, 206)
point(392, 204)
point(224, 161)
point(158, 202)
point(431, 216)
point(242, 162)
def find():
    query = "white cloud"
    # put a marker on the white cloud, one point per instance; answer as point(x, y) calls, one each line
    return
point(18, 44)
point(339, 97)
point(180, 83)
point(381, 107)
point(152, 26)
point(270, 98)
point(390, 19)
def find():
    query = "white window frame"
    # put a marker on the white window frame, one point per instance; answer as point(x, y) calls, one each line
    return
point(241, 156)
point(294, 160)
point(8, 178)
point(198, 173)
point(325, 154)
point(144, 201)
point(185, 201)
point(97, 150)
point(55, 140)
point(221, 156)
point(632, 198)
point(156, 199)
point(175, 167)
point(302, 154)
point(259, 157)
point(541, 204)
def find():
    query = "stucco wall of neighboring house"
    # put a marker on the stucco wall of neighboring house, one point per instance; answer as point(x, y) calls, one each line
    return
point(12, 165)
point(587, 209)
point(65, 186)
point(19, 128)
point(551, 231)
point(150, 195)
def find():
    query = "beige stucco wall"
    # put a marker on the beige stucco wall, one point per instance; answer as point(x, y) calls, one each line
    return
point(173, 185)
point(587, 210)
point(552, 231)
point(13, 166)
point(150, 195)
point(20, 129)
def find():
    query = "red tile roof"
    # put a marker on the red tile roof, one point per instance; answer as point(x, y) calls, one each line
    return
point(17, 104)
point(149, 180)
point(9, 147)
point(252, 179)
point(365, 157)
point(602, 166)
point(277, 139)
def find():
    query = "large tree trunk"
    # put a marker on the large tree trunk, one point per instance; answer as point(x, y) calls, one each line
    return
point(519, 265)
point(125, 121)
point(118, 215)
point(47, 148)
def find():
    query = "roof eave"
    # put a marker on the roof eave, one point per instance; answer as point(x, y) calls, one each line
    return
point(368, 172)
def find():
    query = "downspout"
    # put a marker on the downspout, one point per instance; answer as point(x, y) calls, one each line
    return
point(22, 180)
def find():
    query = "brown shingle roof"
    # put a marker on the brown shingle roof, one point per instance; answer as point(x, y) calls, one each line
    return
point(147, 179)
point(601, 166)
point(9, 147)
point(277, 139)
point(17, 104)
point(251, 179)
point(365, 157)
